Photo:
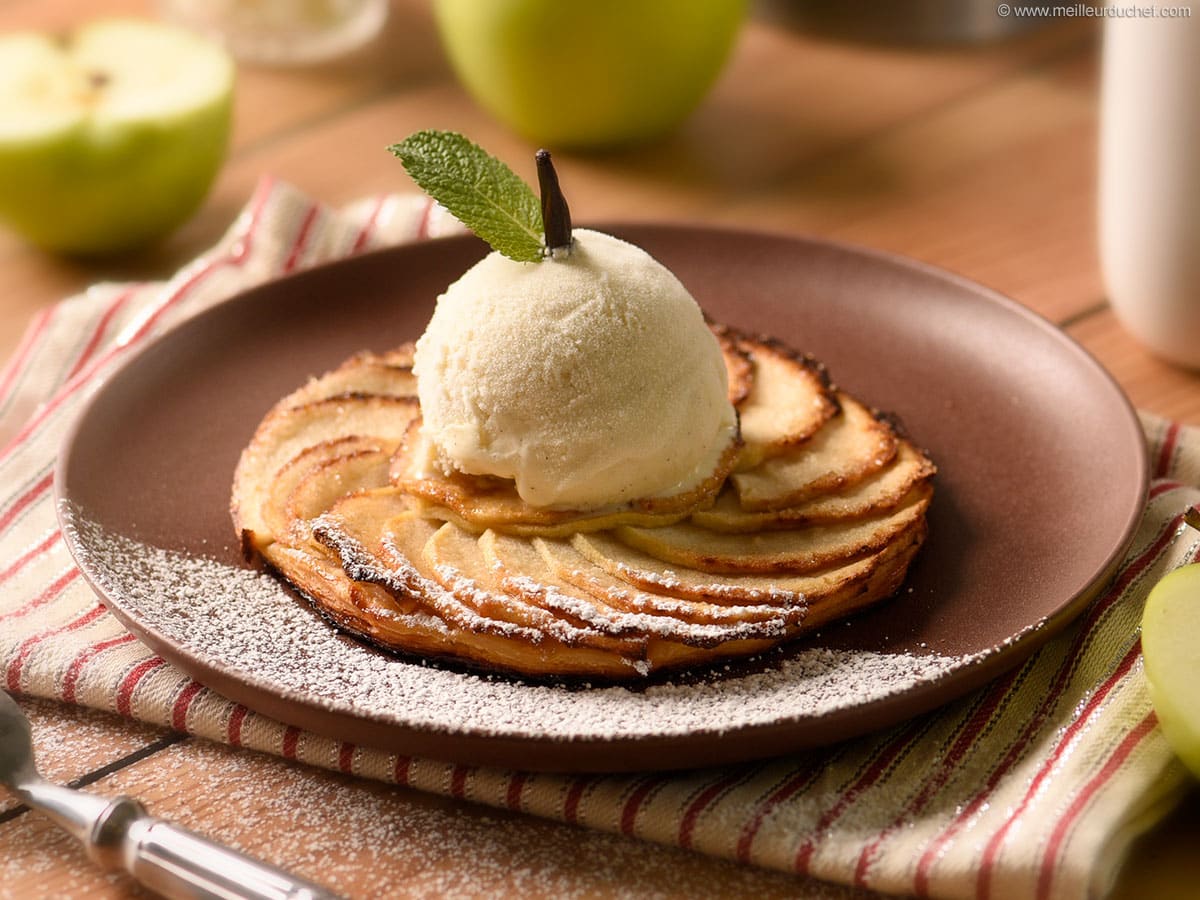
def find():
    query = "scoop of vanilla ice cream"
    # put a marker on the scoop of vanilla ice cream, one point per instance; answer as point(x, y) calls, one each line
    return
point(589, 378)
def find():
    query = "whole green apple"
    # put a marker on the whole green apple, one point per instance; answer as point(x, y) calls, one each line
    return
point(111, 136)
point(588, 74)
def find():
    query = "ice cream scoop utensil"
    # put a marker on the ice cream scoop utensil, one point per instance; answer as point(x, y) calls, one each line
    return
point(118, 833)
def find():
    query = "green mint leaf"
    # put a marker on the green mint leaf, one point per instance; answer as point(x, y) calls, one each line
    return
point(478, 189)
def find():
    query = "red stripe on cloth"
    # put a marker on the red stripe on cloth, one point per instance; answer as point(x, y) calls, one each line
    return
point(633, 804)
point(238, 253)
point(458, 782)
point(791, 786)
point(236, 256)
point(968, 737)
point(1160, 488)
point(75, 669)
point(1165, 452)
point(291, 740)
point(26, 558)
point(16, 363)
point(691, 815)
point(49, 594)
point(1110, 767)
point(364, 234)
point(25, 648)
point(992, 850)
point(99, 331)
point(301, 241)
point(403, 770)
point(39, 487)
point(179, 712)
point(574, 795)
point(130, 682)
point(516, 785)
point(874, 772)
point(233, 729)
point(346, 758)
point(1062, 677)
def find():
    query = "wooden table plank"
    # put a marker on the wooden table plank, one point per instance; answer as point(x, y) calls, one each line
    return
point(73, 742)
point(979, 204)
point(367, 839)
point(1150, 383)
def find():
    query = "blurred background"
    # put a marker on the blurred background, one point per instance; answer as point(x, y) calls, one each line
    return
point(939, 130)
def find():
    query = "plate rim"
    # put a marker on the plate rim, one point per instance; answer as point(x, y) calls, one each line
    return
point(718, 747)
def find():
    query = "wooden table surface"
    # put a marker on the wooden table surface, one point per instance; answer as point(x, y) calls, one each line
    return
point(977, 159)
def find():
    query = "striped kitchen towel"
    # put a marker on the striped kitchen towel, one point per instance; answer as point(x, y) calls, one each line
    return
point(1032, 786)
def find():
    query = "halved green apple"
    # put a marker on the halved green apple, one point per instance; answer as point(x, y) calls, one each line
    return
point(110, 136)
point(1171, 648)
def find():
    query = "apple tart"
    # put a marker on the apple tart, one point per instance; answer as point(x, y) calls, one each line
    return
point(815, 513)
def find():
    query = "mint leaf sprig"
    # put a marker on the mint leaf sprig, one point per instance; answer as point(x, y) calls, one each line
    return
point(486, 195)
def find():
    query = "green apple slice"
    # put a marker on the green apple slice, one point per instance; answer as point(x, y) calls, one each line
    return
point(1171, 648)
point(111, 136)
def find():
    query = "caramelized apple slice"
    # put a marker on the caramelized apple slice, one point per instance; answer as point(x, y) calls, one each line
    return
point(274, 510)
point(457, 563)
point(317, 573)
point(849, 448)
point(286, 431)
point(739, 368)
point(872, 496)
point(387, 374)
point(324, 485)
point(569, 565)
point(789, 401)
point(393, 621)
point(622, 610)
point(379, 550)
point(479, 503)
point(800, 550)
point(651, 574)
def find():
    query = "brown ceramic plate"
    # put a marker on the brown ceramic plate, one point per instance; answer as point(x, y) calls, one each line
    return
point(1043, 476)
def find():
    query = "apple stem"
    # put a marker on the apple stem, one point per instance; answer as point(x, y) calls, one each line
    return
point(556, 215)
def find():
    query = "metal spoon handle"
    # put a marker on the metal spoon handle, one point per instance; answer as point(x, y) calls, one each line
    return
point(176, 863)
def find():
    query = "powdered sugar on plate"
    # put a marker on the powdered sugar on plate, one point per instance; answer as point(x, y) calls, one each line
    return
point(247, 624)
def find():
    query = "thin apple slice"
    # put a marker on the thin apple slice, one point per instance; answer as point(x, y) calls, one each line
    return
point(739, 367)
point(316, 572)
point(384, 374)
point(377, 547)
point(286, 432)
point(874, 495)
point(802, 550)
point(622, 610)
point(649, 573)
point(324, 485)
point(457, 563)
point(479, 503)
point(848, 449)
point(277, 522)
point(567, 564)
point(790, 400)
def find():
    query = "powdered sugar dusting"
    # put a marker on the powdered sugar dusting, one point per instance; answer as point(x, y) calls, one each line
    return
point(247, 624)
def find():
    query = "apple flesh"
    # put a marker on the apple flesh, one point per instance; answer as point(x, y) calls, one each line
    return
point(588, 74)
point(1171, 650)
point(111, 137)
